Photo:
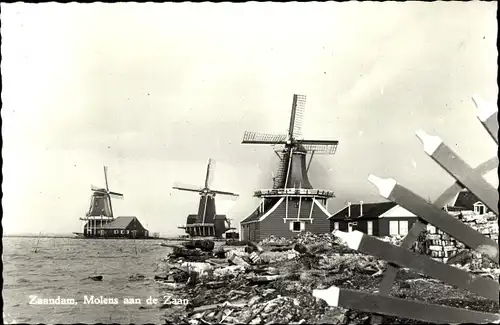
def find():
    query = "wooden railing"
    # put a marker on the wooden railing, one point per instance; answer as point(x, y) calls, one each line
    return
point(429, 213)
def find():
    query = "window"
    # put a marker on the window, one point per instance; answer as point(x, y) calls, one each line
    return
point(398, 227)
point(393, 227)
point(128, 231)
point(403, 227)
point(479, 208)
point(369, 227)
point(297, 226)
point(115, 231)
point(122, 232)
point(336, 225)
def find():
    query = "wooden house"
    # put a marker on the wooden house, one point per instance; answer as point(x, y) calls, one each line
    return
point(121, 227)
point(377, 219)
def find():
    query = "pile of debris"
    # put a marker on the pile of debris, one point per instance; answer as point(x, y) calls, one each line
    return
point(256, 284)
point(273, 240)
point(253, 285)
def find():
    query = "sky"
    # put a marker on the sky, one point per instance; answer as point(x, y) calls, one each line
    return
point(155, 90)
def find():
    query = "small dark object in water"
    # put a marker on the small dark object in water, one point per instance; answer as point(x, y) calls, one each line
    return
point(161, 277)
point(96, 277)
point(136, 277)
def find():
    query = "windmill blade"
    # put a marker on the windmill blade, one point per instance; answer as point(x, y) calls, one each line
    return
point(186, 187)
point(106, 177)
point(320, 147)
point(116, 195)
point(278, 152)
point(232, 196)
point(264, 138)
point(297, 116)
point(97, 189)
point(210, 173)
point(310, 161)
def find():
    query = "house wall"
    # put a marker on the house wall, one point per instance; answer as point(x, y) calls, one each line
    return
point(274, 224)
point(135, 224)
point(342, 225)
point(383, 224)
point(380, 225)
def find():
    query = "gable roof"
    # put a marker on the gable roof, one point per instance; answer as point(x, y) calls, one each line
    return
point(370, 210)
point(465, 200)
point(119, 223)
point(256, 214)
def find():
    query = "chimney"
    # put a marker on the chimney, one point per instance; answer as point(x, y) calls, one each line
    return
point(360, 208)
point(348, 209)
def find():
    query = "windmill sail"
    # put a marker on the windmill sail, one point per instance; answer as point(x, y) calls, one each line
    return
point(292, 167)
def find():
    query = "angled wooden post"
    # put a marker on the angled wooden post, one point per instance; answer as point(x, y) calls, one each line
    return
point(466, 177)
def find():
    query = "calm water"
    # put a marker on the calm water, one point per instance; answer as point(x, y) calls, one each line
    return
point(60, 267)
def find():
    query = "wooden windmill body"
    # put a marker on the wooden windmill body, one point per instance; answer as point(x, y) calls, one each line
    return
point(292, 205)
point(206, 223)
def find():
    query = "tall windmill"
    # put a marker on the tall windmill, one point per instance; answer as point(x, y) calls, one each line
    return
point(100, 210)
point(290, 183)
point(206, 222)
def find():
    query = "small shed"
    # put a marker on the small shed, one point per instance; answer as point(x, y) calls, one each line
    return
point(377, 219)
point(466, 201)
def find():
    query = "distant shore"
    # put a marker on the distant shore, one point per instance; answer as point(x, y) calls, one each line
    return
point(170, 238)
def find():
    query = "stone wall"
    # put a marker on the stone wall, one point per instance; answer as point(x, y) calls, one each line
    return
point(441, 246)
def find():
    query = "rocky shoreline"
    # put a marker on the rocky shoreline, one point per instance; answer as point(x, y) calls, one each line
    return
point(272, 282)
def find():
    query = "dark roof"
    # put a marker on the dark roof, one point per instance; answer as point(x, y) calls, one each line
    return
point(370, 210)
point(119, 223)
point(465, 200)
point(256, 214)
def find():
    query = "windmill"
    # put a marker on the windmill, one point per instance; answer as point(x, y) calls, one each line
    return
point(290, 182)
point(100, 210)
point(206, 222)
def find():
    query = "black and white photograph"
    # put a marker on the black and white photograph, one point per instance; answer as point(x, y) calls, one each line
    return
point(250, 163)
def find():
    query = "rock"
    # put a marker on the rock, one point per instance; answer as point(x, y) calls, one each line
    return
point(202, 269)
point(460, 258)
point(302, 249)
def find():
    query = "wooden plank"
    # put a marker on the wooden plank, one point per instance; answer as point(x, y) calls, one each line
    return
point(460, 170)
point(392, 270)
point(405, 258)
point(434, 215)
point(402, 308)
point(453, 190)
point(419, 226)
point(488, 115)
